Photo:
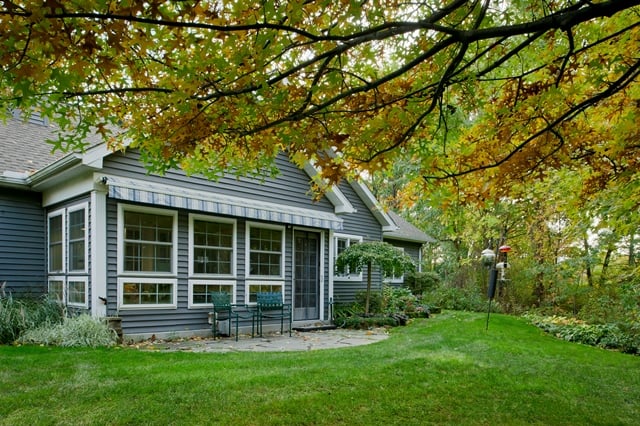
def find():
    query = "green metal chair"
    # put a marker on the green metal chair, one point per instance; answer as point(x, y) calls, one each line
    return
point(221, 302)
point(270, 306)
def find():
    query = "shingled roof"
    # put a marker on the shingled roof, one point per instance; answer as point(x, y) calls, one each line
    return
point(406, 231)
point(23, 146)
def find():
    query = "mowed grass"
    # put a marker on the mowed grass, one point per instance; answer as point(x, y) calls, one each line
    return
point(444, 370)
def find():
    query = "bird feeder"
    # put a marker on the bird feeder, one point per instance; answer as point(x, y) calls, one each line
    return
point(487, 256)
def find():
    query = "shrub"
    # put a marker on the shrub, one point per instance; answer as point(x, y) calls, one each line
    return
point(20, 315)
point(610, 336)
point(82, 330)
point(420, 282)
point(375, 300)
point(457, 298)
point(398, 299)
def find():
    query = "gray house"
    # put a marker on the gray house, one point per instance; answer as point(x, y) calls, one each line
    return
point(99, 233)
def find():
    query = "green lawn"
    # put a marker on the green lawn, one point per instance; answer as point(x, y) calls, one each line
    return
point(444, 370)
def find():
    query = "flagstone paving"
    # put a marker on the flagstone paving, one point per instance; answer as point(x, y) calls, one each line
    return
point(299, 341)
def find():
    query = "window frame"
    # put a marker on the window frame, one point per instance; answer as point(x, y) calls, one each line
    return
point(265, 283)
point(62, 215)
point(147, 280)
point(248, 251)
point(69, 210)
point(62, 279)
point(234, 249)
point(122, 208)
point(393, 279)
point(80, 279)
point(358, 239)
point(194, 282)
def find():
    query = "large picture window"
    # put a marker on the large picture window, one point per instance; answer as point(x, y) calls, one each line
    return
point(266, 250)
point(148, 239)
point(212, 245)
point(341, 243)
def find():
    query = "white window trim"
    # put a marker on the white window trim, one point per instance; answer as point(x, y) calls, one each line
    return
point(61, 213)
point(234, 255)
point(248, 251)
point(122, 207)
point(334, 241)
point(138, 279)
point(64, 286)
point(84, 280)
point(72, 209)
point(249, 283)
point(394, 279)
point(193, 282)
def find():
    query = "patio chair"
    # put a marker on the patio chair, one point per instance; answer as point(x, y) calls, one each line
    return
point(270, 306)
point(222, 306)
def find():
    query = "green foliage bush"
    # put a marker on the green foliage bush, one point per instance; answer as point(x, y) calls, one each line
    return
point(82, 330)
point(20, 315)
point(609, 336)
point(375, 301)
point(457, 298)
point(420, 282)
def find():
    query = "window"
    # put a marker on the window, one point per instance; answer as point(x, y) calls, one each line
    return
point(147, 239)
point(56, 241)
point(68, 253)
point(253, 288)
point(77, 292)
point(199, 292)
point(67, 233)
point(212, 246)
point(77, 243)
point(392, 278)
point(56, 289)
point(147, 293)
point(341, 243)
point(266, 251)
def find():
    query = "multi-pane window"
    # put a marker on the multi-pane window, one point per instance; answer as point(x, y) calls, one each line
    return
point(148, 242)
point(266, 251)
point(77, 239)
point(56, 242)
point(56, 289)
point(341, 243)
point(77, 292)
point(393, 278)
point(136, 292)
point(213, 247)
point(201, 291)
point(262, 287)
point(67, 255)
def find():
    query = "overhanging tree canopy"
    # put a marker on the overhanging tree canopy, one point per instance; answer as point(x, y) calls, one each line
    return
point(506, 88)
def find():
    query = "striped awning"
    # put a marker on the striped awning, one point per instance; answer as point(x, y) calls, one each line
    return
point(210, 202)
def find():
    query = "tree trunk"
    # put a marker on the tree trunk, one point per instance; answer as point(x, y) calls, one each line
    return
point(587, 261)
point(605, 265)
point(632, 254)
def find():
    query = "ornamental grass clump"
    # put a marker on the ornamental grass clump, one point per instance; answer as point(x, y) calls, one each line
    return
point(79, 331)
point(19, 315)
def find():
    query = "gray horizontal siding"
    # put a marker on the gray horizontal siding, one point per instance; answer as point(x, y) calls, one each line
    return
point(22, 242)
point(291, 187)
point(364, 224)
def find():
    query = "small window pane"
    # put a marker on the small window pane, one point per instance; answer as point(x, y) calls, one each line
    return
point(77, 293)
